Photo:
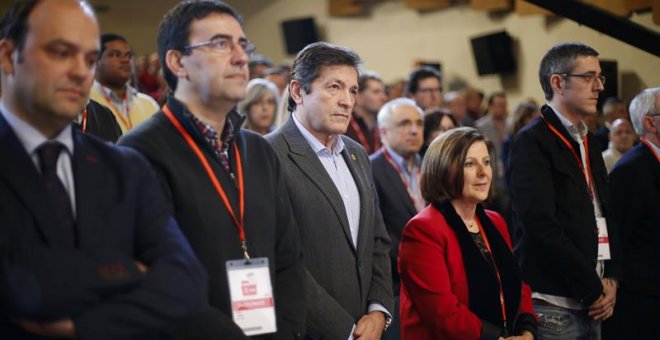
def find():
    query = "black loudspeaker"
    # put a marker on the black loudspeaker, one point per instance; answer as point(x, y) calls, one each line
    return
point(494, 53)
point(299, 33)
point(610, 69)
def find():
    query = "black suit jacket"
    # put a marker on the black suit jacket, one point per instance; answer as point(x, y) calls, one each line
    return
point(635, 208)
point(121, 217)
point(395, 205)
point(269, 226)
point(553, 214)
point(341, 279)
point(101, 122)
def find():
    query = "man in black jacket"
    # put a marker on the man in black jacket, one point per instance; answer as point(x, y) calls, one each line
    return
point(635, 196)
point(225, 183)
point(568, 253)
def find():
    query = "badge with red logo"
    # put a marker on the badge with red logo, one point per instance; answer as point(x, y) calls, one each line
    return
point(251, 292)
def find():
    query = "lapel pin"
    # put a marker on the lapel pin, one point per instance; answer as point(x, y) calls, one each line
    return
point(353, 156)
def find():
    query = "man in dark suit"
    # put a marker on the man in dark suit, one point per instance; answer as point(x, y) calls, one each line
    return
point(225, 183)
point(334, 199)
point(557, 179)
point(88, 245)
point(396, 169)
point(97, 120)
point(635, 208)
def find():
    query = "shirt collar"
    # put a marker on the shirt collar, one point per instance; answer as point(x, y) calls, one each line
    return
point(401, 162)
point(211, 135)
point(107, 92)
point(577, 131)
point(336, 148)
point(32, 138)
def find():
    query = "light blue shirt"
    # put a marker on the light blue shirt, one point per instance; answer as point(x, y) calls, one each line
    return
point(411, 176)
point(341, 176)
point(31, 139)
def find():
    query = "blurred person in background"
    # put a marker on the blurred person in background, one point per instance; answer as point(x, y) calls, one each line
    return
point(622, 138)
point(435, 123)
point(259, 106)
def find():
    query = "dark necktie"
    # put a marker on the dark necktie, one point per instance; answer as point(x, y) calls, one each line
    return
point(58, 197)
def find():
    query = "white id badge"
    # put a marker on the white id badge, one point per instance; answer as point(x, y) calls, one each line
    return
point(251, 292)
point(603, 239)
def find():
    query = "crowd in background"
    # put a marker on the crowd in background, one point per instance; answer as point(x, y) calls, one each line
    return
point(334, 204)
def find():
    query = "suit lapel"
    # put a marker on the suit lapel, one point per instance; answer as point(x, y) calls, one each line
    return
point(351, 159)
point(394, 179)
point(552, 118)
point(302, 155)
point(90, 180)
point(22, 176)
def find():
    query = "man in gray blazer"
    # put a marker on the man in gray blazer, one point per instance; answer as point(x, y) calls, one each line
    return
point(345, 244)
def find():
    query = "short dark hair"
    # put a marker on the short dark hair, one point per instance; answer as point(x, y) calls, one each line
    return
point(495, 95)
point(174, 30)
point(432, 121)
point(442, 169)
point(108, 37)
point(14, 24)
point(561, 59)
point(364, 79)
point(313, 57)
point(418, 75)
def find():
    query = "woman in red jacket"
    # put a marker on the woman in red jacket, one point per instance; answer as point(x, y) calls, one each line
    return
point(459, 279)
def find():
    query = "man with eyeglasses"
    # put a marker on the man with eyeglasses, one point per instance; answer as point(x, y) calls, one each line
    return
point(635, 201)
point(111, 87)
point(567, 249)
point(425, 88)
point(226, 183)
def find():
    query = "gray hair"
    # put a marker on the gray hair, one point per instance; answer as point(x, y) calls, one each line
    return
point(385, 113)
point(641, 105)
point(257, 89)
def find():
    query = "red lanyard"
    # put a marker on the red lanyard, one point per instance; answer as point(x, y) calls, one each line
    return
point(586, 172)
point(83, 122)
point(363, 138)
point(648, 144)
point(214, 179)
point(125, 121)
point(499, 279)
point(403, 178)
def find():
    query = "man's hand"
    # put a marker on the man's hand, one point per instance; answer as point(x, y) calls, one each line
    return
point(370, 326)
point(141, 267)
point(56, 329)
point(603, 308)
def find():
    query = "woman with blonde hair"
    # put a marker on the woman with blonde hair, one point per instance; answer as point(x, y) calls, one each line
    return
point(259, 105)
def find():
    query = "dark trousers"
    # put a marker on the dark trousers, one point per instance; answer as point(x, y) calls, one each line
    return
point(636, 316)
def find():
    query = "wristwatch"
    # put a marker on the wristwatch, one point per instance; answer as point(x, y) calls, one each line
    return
point(388, 322)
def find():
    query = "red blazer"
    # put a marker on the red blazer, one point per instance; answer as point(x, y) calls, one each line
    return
point(434, 285)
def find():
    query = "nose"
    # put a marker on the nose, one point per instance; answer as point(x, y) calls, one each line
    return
point(346, 100)
point(239, 56)
point(600, 86)
point(81, 69)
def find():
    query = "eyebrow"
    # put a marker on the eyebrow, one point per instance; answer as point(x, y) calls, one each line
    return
point(65, 43)
point(227, 36)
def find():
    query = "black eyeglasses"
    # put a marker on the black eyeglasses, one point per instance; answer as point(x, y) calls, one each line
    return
point(590, 77)
point(224, 45)
point(653, 114)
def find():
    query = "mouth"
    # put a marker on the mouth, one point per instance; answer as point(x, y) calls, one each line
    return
point(74, 92)
point(340, 114)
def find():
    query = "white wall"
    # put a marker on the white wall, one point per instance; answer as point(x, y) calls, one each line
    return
point(392, 36)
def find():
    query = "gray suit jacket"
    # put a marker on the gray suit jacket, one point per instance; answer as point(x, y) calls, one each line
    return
point(341, 280)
